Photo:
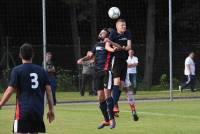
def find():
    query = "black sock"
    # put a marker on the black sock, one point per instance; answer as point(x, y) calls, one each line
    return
point(103, 107)
point(116, 94)
point(110, 105)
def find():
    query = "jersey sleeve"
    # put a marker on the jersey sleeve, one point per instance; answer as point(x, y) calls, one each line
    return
point(13, 79)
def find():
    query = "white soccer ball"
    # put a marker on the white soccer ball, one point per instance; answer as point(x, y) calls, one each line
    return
point(114, 12)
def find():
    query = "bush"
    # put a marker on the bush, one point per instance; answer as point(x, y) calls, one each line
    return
point(164, 81)
point(176, 83)
point(64, 80)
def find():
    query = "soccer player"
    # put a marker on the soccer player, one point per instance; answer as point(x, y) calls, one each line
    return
point(103, 78)
point(119, 37)
point(30, 82)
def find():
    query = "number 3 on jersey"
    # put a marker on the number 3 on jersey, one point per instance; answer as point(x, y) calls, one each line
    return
point(34, 80)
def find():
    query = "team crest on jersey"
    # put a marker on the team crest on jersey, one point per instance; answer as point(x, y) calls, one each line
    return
point(99, 48)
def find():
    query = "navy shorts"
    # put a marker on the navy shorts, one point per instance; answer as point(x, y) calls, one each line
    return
point(30, 123)
point(103, 79)
point(119, 68)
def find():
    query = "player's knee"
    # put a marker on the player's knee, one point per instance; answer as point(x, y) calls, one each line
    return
point(101, 96)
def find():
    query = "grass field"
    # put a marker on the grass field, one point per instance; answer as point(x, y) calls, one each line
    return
point(178, 117)
point(75, 96)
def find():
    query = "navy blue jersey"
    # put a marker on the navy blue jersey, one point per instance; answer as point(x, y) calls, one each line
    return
point(29, 80)
point(102, 57)
point(121, 39)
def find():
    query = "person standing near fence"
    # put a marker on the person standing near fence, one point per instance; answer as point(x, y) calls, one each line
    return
point(132, 63)
point(51, 74)
point(189, 72)
point(87, 76)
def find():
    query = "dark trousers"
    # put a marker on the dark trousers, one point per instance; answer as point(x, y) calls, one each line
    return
point(190, 81)
point(133, 80)
point(53, 88)
point(87, 79)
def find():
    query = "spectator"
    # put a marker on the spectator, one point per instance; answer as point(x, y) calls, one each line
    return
point(132, 62)
point(51, 74)
point(189, 73)
point(87, 76)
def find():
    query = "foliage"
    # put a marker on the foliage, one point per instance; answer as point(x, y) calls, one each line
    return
point(64, 80)
point(164, 81)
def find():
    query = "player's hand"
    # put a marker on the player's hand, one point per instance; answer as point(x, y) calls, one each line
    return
point(50, 116)
point(115, 49)
point(79, 61)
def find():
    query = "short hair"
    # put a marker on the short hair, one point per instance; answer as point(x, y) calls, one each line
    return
point(26, 51)
point(120, 20)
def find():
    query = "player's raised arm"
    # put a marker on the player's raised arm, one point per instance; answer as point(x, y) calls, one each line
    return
point(50, 114)
point(6, 95)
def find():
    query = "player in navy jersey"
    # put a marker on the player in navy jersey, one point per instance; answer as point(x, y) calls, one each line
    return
point(122, 37)
point(30, 82)
point(103, 79)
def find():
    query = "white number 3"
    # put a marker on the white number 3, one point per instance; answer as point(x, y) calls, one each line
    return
point(34, 80)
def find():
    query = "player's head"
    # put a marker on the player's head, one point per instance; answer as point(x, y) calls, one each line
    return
point(26, 51)
point(103, 34)
point(121, 25)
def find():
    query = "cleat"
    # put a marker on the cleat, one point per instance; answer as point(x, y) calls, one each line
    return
point(112, 123)
point(135, 117)
point(103, 124)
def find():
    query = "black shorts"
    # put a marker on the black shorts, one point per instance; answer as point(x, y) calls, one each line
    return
point(119, 68)
point(29, 126)
point(103, 79)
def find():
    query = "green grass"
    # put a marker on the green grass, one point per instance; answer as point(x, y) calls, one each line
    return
point(179, 117)
point(75, 96)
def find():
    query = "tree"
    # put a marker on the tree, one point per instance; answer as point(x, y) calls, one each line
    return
point(150, 44)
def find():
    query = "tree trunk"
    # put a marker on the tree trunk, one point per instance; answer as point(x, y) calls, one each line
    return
point(75, 33)
point(93, 22)
point(150, 44)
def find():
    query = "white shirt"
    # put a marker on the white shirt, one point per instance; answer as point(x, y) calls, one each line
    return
point(132, 60)
point(189, 61)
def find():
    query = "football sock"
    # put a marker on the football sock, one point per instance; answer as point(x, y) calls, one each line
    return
point(110, 105)
point(103, 107)
point(116, 94)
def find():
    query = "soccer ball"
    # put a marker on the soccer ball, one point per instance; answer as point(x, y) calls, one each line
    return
point(114, 12)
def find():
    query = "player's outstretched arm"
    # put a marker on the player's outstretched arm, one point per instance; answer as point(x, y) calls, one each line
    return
point(6, 95)
point(50, 114)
